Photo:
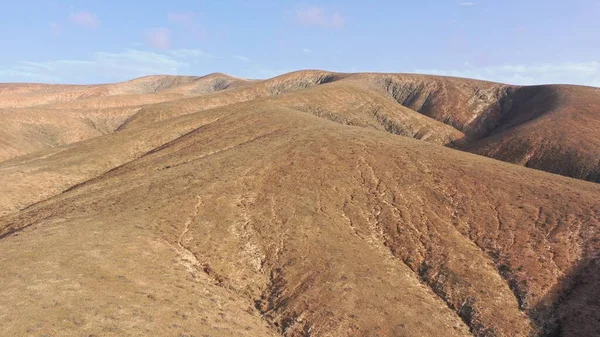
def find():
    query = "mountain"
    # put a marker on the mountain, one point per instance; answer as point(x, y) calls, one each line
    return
point(310, 204)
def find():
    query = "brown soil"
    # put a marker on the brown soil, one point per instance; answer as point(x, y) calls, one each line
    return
point(310, 204)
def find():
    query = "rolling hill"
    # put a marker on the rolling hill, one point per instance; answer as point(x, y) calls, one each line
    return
point(309, 204)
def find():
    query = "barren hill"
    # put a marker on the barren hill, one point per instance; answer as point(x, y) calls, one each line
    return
point(551, 128)
point(310, 204)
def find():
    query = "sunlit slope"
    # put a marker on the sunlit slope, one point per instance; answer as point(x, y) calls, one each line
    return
point(551, 128)
point(263, 216)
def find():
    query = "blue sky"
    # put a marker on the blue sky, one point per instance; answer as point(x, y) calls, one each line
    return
point(520, 42)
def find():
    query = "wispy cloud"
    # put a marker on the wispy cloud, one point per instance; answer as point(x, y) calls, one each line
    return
point(337, 20)
point(582, 73)
point(182, 18)
point(241, 58)
point(159, 38)
point(55, 29)
point(467, 4)
point(306, 51)
point(85, 19)
point(102, 66)
point(261, 72)
point(188, 21)
point(185, 53)
point(319, 16)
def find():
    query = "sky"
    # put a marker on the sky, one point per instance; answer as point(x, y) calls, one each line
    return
point(518, 42)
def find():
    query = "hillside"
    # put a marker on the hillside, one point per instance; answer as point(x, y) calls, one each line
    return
point(550, 128)
point(38, 117)
point(310, 204)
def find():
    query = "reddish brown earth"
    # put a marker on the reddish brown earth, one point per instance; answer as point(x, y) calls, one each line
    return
point(310, 204)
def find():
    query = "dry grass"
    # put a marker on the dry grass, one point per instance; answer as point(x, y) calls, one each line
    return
point(311, 204)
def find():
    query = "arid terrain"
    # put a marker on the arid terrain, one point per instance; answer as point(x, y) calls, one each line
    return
point(309, 204)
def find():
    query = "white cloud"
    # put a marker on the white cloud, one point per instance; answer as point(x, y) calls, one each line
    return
point(55, 29)
point(318, 16)
point(582, 73)
point(337, 21)
point(85, 19)
point(241, 58)
point(24, 74)
point(183, 18)
point(467, 4)
point(102, 66)
point(159, 38)
point(306, 51)
point(262, 72)
point(189, 22)
point(185, 53)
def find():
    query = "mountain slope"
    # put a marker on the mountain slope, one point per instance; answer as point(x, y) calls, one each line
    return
point(39, 117)
point(495, 119)
point(261, 216)
point(551, 128)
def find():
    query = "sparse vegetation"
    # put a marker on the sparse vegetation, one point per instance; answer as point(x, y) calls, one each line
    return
point(310, 204)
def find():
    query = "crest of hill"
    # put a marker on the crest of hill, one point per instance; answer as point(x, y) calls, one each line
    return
point(37, 117)
point(551, 127)
point(28, 95)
